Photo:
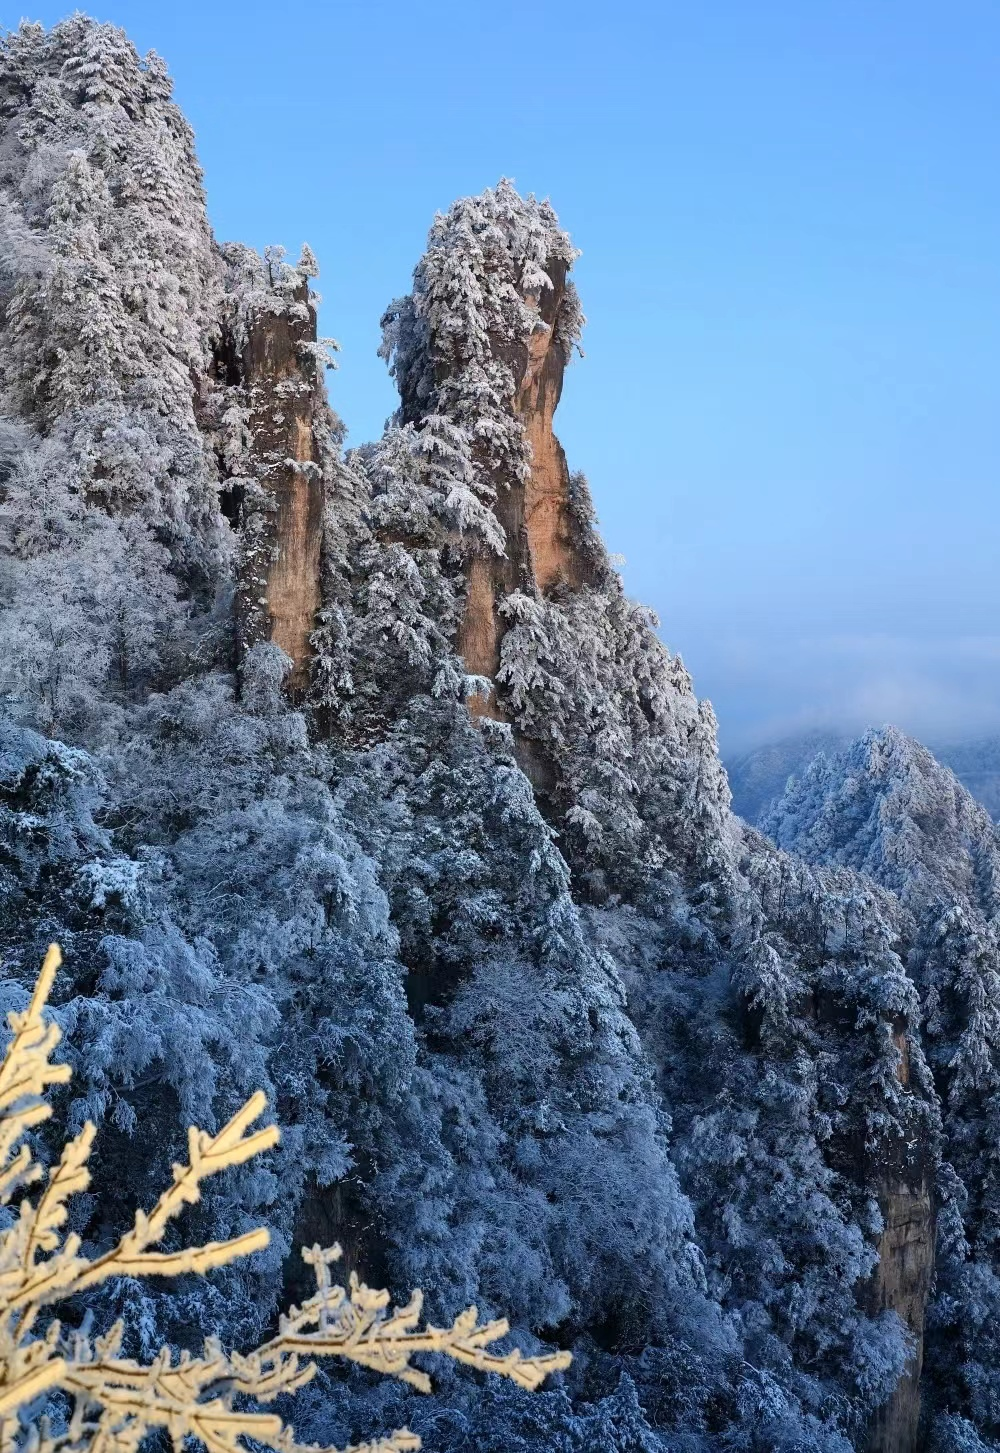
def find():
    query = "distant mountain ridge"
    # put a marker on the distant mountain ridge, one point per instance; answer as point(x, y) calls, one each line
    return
point(758, 777)
point(888, 808)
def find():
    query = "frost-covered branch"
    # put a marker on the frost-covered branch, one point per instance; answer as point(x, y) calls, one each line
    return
point(118, 1401)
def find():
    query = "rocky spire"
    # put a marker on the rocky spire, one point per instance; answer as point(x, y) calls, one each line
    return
point(543, 550)
point(277, 436)
point(481, 345)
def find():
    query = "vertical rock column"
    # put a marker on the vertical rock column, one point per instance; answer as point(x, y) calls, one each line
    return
point(902, 1284)
point(552, 556)
point(534, 513)
point(905, 1273)
point(281, 519)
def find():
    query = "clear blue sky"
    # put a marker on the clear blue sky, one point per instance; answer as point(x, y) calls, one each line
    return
point(790, 219)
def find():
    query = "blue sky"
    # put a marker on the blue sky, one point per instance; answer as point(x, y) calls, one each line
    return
point(789, 213)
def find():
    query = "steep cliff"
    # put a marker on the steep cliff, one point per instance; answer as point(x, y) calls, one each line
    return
point(598, 707)
point(509, 493)
point(275, 431)
point(542, 537)
point(903, 1282)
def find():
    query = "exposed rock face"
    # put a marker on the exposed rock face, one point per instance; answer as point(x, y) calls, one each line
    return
point(904, 1276)
point(281, 516)
point(536, 515)
point(551, 554)
point(481, 627)
point(902, 1284)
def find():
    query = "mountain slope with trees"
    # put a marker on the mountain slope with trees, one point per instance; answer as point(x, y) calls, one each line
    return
point(357, 777)
point(888, 809)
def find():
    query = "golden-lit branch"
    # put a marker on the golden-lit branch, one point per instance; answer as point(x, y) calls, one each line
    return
point(117, 1401)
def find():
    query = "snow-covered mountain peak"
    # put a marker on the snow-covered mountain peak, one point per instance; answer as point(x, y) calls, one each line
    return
point(886, 807)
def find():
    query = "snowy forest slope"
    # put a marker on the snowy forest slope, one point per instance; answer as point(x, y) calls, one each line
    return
point(358, 777)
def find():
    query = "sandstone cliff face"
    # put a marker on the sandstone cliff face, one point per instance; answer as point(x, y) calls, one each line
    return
point(551, 554)
point(902, 1284)
point(481, 628)
point(280, 512)
point(905, 1273)
point(536, 513)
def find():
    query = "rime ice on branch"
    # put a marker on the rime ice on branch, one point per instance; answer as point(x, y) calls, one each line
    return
point(116, 1401)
